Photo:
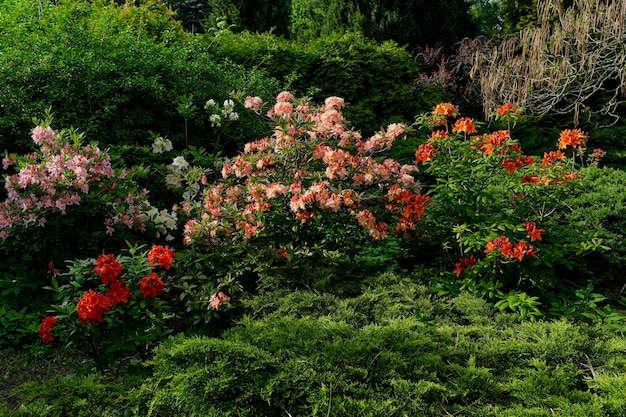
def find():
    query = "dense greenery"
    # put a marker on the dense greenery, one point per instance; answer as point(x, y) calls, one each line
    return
point(377, 78)
point(201, 244)
point(391, 349)
point(115, 73)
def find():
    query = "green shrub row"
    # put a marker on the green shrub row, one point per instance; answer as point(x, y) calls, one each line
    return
point(392, 350)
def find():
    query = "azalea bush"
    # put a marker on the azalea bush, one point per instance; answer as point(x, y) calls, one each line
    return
point(496, 212)
point(312, 202)
point(112, 307)
point(63, 201)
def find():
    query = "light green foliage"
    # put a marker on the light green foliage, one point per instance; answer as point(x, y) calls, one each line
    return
point(314, 354)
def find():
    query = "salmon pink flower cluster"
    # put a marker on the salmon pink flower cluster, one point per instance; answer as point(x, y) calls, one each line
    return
point(218, 299)
point(313, 165)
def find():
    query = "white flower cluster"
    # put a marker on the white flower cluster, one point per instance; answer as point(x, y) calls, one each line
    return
point(174, 178)
point(225, 113)
point(163, 221)
point(161, 145)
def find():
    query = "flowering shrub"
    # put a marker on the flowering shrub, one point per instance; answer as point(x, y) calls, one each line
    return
point(61, 174)
point(311, 194)
point(495, 210)
point(110, 307)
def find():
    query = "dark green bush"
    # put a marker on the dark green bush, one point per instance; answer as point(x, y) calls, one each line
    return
point(114, 72)
point(375, 79)
point(600, 207)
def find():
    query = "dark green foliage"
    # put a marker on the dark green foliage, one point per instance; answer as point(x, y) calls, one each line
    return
point(113, 72)
point(613, 141)
point(600, 207)
point(518, 14)
point(375, 79)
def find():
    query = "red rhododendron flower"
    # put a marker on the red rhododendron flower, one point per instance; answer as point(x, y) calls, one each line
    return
point(463, 264)
point(162, 255)
point(464, 125)
point(118, 293)
point(532, 231)
point(108, 268)
point(151, 285)
point(573, 138)
point(218, 299)
point(446, 110)
point(45, 329)
point(91, 307)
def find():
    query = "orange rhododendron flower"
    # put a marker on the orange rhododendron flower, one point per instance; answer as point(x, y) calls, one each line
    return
point(551, 157)
point(424, 153)
point(501, 244)
point(463, 264)
point(446, 110)
point(464, 125)
point(507, 108)
point(532, 231)
point(512, 165)
point(573, 138)
point(521, 249)
point(438, 134)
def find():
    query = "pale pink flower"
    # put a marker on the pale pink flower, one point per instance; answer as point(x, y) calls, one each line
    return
point(394, 130)
point(7, 161)
point(253, 103)
point(42, 135)
point(284, 97)
point(218, 299)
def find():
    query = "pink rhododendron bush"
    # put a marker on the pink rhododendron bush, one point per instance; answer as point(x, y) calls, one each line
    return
point(304, 204)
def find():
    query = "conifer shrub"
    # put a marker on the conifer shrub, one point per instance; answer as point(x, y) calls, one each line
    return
point(456, 355)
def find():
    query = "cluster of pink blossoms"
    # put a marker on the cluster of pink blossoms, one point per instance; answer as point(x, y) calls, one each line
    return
point(56, 177)
point(312, 164)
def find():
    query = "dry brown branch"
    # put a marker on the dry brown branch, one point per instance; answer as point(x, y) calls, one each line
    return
point(575, 56)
